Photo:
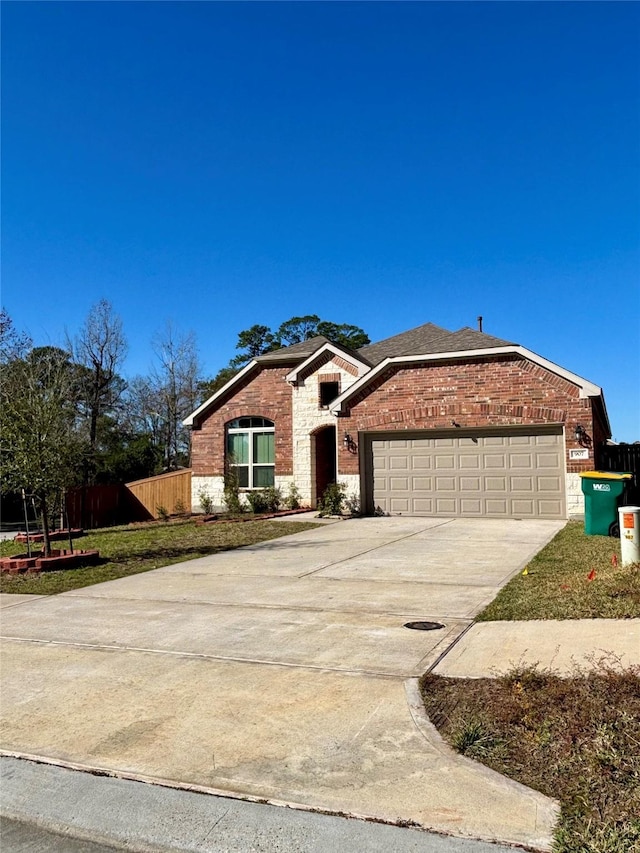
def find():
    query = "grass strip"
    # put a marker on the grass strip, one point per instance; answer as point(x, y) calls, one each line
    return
point(574, 739)
point(132, 549)
point(574, 577)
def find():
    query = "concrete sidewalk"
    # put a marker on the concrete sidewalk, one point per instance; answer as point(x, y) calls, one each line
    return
point(488, 649)
point(277, 672)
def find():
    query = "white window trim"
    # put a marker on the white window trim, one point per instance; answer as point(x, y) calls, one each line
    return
point(250, 431)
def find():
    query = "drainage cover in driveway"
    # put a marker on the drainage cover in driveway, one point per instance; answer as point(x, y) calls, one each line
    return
point(423, 626)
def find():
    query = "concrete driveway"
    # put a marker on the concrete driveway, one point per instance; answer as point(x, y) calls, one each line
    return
point(280, 672)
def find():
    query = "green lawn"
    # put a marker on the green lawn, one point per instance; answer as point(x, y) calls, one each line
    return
point(574, 739)
point(557, 585)
point(140, 548)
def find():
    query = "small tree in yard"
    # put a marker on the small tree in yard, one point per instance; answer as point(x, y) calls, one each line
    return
point(39, 450)
point(231, 497)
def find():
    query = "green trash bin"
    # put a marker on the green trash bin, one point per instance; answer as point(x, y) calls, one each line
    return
point(602, 491)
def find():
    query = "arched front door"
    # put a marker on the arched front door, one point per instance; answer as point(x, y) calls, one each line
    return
point(325, 459)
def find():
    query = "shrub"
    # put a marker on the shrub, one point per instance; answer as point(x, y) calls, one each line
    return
point(206, 501)
point(292, 500)
point(163, 513)
point(273, 498)
point(257, 501)
point(179, 507)
point(352, 503)
point(265, 500)
point(332, 501)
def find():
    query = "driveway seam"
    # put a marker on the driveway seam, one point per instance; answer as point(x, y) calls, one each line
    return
point(292, 578)
point(304, 608)
point(377, 548)
point(202, 656)
point(442, 656)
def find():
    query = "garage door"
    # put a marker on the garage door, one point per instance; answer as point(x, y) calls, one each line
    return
point(497, 476)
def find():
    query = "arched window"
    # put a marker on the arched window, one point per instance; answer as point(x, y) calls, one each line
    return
point(251, 451)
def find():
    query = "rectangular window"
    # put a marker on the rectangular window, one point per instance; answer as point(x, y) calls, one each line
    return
point(328, 393)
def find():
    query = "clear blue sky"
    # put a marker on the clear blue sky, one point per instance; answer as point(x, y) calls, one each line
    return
point(381, 164)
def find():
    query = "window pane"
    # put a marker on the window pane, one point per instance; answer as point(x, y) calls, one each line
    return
point(238, 447)
point(243, 475)
point(263, 448)
point(262, 476)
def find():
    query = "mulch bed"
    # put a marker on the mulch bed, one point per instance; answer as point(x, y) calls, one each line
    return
point(218, 519)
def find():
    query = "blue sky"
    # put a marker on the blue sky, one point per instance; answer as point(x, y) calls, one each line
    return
point(381, 164)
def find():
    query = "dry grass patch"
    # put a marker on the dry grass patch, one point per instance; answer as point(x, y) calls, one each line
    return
point(573, 577)
point(138, 548)
point(575, 739)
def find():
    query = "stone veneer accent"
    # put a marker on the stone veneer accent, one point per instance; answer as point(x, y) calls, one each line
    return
point(214, 487)
point(308, 417)
point(575, 498)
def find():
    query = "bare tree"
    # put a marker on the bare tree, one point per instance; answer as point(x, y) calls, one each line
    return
point(176, 382)
point(13, 344)
point(99, 347)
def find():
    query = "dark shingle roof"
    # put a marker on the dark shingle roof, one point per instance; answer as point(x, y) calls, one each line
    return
point(428, 340)
point(301, 351)
point(296, 352)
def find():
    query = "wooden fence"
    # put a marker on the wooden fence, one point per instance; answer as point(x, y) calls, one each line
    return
point(97, 506)
point(171, 491)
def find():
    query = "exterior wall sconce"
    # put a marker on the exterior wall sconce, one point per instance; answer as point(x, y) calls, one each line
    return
point(582, 437)
point(349, 444)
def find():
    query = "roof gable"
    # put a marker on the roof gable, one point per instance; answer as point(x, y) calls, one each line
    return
point(329, 349)
point(586, 388)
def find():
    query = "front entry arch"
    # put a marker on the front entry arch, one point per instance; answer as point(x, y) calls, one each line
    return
point(324, 457)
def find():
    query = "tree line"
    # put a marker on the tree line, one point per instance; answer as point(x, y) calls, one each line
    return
point(69, 418)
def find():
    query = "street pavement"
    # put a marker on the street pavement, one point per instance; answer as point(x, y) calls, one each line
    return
point(281, 672)
point(93, 814)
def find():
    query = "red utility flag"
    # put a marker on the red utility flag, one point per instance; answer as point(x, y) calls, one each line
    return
point(614, 560)
point(591, 575)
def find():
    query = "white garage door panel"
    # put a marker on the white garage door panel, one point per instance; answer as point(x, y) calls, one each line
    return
point(503, 476)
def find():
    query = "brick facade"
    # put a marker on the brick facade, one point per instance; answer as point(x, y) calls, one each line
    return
point(265, 395)
point(499, 390)
point(494, 391)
